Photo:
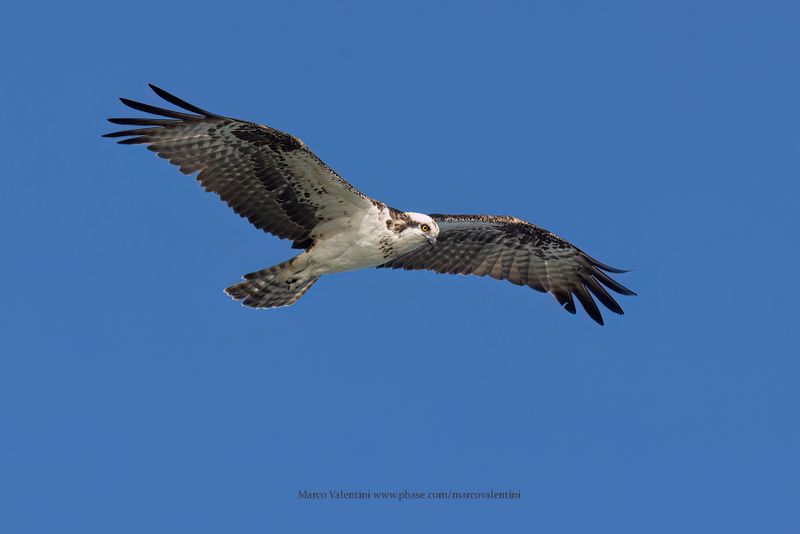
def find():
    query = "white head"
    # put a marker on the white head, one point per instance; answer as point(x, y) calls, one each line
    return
point(422, 227)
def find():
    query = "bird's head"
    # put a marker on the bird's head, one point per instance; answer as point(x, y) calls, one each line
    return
point(423, 226)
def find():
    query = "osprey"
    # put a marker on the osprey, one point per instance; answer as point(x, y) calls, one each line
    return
point(273, 180)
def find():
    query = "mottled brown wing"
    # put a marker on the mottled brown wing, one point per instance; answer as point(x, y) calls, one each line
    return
point(510, 249)
point(267, 176)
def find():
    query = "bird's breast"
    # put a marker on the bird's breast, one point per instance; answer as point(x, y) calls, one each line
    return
point(352, 246)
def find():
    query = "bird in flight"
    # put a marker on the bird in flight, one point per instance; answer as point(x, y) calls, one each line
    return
point(273, 180)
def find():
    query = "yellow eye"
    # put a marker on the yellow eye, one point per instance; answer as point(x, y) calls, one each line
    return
point(425, 228)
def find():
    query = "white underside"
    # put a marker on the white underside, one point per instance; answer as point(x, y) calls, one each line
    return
point(350, 244)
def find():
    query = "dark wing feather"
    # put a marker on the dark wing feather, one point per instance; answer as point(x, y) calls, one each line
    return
point(510, 249)
point(267, 176)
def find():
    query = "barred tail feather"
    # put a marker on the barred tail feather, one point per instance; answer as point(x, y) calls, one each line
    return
point(272, 287)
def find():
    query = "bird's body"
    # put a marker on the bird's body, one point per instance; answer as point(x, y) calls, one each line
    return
point(274, 180)
point(352, 246)
point(360, 243)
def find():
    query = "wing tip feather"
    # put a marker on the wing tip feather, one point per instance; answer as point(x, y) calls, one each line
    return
point(132, 141)
point(172, 99)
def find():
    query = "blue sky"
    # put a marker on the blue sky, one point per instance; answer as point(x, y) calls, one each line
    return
point(658, 136)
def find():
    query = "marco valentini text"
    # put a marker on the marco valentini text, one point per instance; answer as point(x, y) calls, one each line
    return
point(406, 495)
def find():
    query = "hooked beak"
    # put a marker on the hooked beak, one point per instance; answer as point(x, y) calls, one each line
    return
point(431, 241)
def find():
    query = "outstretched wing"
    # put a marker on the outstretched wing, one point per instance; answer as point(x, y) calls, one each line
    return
point(510, 249)
point(265, 175)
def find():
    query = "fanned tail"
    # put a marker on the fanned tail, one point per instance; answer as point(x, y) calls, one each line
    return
point(272, 287)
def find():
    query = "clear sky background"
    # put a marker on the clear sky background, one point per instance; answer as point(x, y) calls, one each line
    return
point(659, 136)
